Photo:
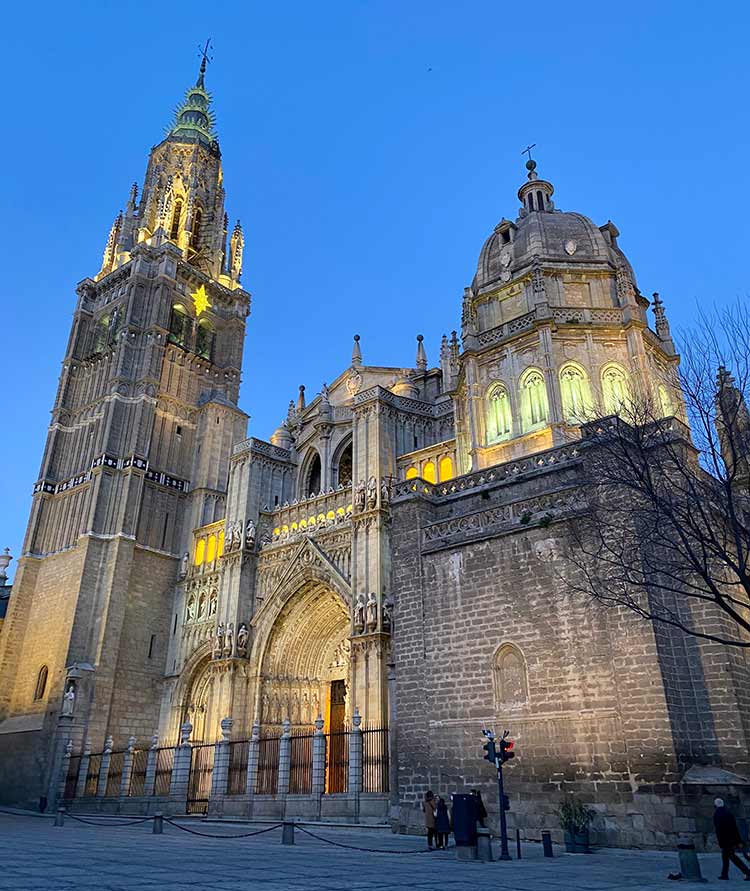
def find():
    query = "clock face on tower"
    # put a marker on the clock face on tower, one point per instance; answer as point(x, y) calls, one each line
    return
point(200, 300)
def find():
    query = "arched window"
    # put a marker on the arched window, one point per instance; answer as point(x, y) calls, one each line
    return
point(509, 677)
point(665, 401)
point(179, 326)
point(195, 235)
point(446, 468)
point(540, 201)
point(534, 406)
point(41, 683)
point(576, 395)
point(313, 477)
point(174, 232)
point(200, 551)
point(499, 417)
point(220, 544)
point(204, 339)
point(211, 549)
point(615, 390)
point(101, 334)
point(411, 473)
point(428, 472)
point(343, 469)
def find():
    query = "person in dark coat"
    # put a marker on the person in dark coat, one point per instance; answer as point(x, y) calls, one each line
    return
point(729, 839)
point(481, 809)
point(429, 818)
point(442, 823)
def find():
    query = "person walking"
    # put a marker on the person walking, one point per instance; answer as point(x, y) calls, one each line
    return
point(442, 823)
point(481, 809)
point(429, 818)
point(728, 837)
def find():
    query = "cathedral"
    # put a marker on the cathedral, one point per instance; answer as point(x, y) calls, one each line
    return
point(387, 560)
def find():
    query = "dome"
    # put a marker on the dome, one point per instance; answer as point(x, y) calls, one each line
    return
point(547, 235)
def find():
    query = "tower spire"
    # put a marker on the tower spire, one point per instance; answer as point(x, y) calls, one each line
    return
point(194, 120)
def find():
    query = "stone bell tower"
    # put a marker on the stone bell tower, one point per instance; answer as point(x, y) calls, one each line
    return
point(137, 455)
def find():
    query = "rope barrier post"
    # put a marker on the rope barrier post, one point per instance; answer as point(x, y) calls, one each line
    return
point(547, 844)
point(518, 843)
point(287, 832)
point(158, 827)
point(60, 817)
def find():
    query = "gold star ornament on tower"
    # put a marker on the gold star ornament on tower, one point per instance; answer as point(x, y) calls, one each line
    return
point(200, 300)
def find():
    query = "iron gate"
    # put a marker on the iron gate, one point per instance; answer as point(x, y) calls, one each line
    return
point(199, 787)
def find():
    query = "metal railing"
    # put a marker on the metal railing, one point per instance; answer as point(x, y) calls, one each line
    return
point(92, 776)
point(268, 765)
point(237, 776)
point(114, 774)
point(300, 764)
point(337, 761)
point(71, 778)
point(375, 760)
point(163, 775)
point(138, 773)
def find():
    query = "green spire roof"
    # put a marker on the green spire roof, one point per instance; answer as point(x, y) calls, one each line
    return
point(194, 119)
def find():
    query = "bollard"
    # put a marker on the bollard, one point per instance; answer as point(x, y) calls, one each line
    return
point(518, 843)
point(158, 827)
point(689, 864)
point(484, 845)
point(60, 817)
point(547, 844)
point(287, 833)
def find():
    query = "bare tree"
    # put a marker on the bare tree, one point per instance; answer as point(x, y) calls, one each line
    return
point(665, 528)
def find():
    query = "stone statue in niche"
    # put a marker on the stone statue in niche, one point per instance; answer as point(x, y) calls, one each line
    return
point(219, 641)
point(385, 493)
point(242, 638)
point(184, 564)
point(359, 614)
point(388, 615)
point(372, 612)
point(359, 495)
point(250, 535)
point(513, 678)
point(372, 493)
point(228, 640)
point(69, 700)
point(190, 611)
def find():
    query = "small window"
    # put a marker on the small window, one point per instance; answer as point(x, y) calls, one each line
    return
point(195, 237)
point(178, 430)
point(540, 201)
point(151, 646)
point(412, 473)
point(428, 472)
point(416, 444)
point(41, 683)
point(505, 237)
point(179, 326)
point(446, 468)
point(204, 340)
point(174, 232)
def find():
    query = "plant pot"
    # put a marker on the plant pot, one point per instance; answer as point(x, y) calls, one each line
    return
point(577, 842)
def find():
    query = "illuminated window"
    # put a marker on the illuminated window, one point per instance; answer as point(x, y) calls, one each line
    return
point(665, 401)
point(446, 469)
point(204, 339)
point(200, 551)
point(179, 326)
point(211, 549)
point(101, 334)
point(174, 232)
point(411, 473)
point(41, 683)
point(615, 389)
point(576, 396)
point(534, 406)
point(220, 544)
point(428, 472)
point(499, 417)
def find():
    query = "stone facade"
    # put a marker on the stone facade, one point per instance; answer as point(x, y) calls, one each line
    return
point(392, 553)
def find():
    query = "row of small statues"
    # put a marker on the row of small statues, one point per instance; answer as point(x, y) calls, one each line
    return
point(224, 640)
point(320, 523)
point(366, 614)
point(366, 494)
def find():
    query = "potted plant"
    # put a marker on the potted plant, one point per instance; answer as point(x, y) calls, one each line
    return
point(575, 818)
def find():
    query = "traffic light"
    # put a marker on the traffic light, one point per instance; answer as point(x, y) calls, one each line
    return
point(506, 750)
point(490, 753)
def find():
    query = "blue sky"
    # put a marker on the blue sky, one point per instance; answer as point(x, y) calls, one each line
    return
point(369, 149)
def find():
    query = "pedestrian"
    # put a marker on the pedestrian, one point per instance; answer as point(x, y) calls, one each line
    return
point(729, 838)
point(442, 823)
point(429, 818)
point(481, 809)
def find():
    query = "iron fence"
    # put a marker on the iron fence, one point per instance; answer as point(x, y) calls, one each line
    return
point(114, 775)
point(201, 771)
point(268, 765)
point(300, 765)
point(375, 760)
point(337, 761)
point(138, 773)
point(92, 776)
point(163, 776)
point(71, 778)
point(237, 779)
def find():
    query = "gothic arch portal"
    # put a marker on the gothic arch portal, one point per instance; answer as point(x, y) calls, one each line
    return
point(302, 642)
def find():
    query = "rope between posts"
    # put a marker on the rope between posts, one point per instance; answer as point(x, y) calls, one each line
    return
point(107, 822)
point(29, 814)
point(212, 835)
point(354, 847)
